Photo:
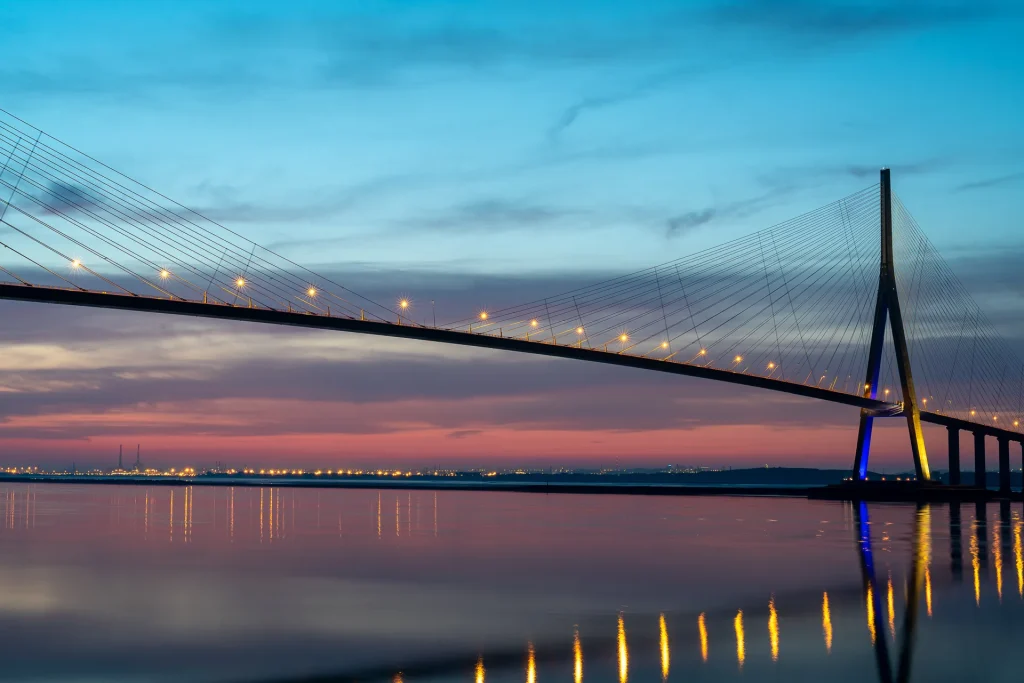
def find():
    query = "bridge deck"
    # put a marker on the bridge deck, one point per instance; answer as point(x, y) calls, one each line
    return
point(123, 302)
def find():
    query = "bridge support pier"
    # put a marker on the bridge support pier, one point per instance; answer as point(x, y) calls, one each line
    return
point(1004, 465)
point(980, 477)
point(887, 309)
point(953, 436)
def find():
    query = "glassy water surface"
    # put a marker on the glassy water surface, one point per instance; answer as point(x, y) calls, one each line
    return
point(119, 583)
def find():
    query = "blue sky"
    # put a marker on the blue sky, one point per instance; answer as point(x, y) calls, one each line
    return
point(468, 140)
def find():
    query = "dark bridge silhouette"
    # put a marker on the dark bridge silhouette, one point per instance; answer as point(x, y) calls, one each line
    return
point(788, 309)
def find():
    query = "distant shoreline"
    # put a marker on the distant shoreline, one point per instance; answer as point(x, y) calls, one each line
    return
point(661, 485)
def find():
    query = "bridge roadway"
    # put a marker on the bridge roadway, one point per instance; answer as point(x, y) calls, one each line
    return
point(124, 302)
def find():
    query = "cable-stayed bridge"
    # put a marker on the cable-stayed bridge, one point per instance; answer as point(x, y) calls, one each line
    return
point(850, 303)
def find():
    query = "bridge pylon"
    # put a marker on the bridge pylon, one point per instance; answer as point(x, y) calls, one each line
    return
point(887, 309)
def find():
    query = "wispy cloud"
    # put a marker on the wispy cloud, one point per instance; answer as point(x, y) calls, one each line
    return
point(845, 19)
point(985, 183)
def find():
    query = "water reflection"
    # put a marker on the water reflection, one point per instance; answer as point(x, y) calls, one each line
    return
point(741, 646)
point(577, 656)
point(623, 651)
point(826, 622)
point(663, 645)
point(702, 630)
point(728, 597)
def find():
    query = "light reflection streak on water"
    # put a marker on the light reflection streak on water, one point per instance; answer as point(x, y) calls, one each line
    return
point(261, 515)
point(623, 651)
point(702, 629)
point(976, 563)
point(928, 590)
point(378, 516)
point(577, 657)
point(531, 664)
point(479, 671)
point(891, 602)
point(398, 518)
point(231, 516)
point(1018, 554)
point(826, 622)
point(773, 628)
point(871, 614)
point(925, 526)
point(663, 643)
point(741, 649)
point(171, 517)
point(997, 555)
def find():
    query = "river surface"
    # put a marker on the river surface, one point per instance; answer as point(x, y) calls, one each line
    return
point(129, 583)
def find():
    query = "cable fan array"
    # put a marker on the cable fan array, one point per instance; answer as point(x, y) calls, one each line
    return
point(787, 303)
point(792, 303)
point(962, 366)
point(76, 223)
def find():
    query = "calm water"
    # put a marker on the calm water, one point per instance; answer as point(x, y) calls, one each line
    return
point(112, 583)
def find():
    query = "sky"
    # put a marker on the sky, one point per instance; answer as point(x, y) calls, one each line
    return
point(460, 151)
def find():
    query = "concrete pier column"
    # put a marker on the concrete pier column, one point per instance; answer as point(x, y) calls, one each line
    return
point(954, 455)
point(1004, 466)
point(980, 478)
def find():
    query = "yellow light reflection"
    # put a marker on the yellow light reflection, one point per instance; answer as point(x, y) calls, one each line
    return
point(871, 614)
point(976, 564)
point(741, 649)
point(997, 555)
point(928, 590)
point(1019, 556)
point(397, 678)
point(480, 671)
point(577, 657)
point(623, 652)
point(773, 629)
point(531, 664)
point(891, 602)
point(826, 622)
point(663, 642)
point(702, 629)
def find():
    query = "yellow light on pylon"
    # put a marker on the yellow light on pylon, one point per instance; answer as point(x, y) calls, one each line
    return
point(483, 315)
point(311, 292)
point(76, 264)
point(738, 359)
point(579, 330)
point(240, 282)
point(164, 274)
point(973, 413)
point(771, 366)
point(623, 337)
point(1016, 423)
point(664, 345)
point(534, 323)
point(703, 352)
point(403, 304)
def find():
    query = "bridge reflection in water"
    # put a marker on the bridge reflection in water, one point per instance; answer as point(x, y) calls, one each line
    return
point(774, 632)
point(880, 621)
